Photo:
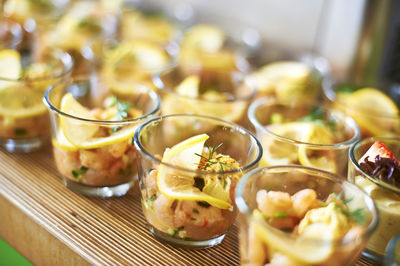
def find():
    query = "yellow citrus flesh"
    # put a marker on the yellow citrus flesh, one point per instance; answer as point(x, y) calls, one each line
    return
point(312, 247)
point(373, 110)
point(207, 38)
point(62, 143)
point(178, 184)
point(277, 151)
point(317, 158)
point(81, 134)
point(10, 66)
point(189, 87)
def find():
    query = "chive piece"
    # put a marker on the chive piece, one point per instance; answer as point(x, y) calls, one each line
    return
point(172, 232)
point(180, 228)
point(358, 215)
point(280, 215)
point(75, 174)
point(153, 197)
point(199, 183)
point(121, 171)
point(203, 204)
point(192, 218)
point(19, 132)
point(195, 210)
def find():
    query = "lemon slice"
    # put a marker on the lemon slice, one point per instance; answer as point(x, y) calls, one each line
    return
point(278, 152)
point(189, 87)
point(207, 38)
point(179, 185)
point(62, 143)
point(318, 134)
point(81, 134)
point(21, 102)
point(364, 104)
point(75, 130)
point(10, 66)
point(313, 246)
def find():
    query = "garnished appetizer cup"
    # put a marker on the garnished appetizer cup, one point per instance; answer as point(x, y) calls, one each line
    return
point(291, 82)
point(295, 215)
point(375, 112)
point(213, 92)
point(312, 136)
point(24, 122)
point(188, 182)
point(374, 168)
point(92, 132)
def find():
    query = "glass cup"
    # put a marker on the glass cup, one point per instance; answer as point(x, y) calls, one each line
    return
point(312, 222)
point(190, 221)
point(386, 197)
point(11, 34)
point(92, 145)
point(212, 92)
point(24, 122)
point(375, 109)
point(312, 136)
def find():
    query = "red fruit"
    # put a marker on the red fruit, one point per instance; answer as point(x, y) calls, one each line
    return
point(378, 148)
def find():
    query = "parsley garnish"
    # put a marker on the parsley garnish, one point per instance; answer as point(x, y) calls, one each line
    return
point(122, 110)
point(358, 215)
point(280, 215)
point(316, 116)
point(203, 204)
point(89, 24)
point(78, 173)
point(20, 132)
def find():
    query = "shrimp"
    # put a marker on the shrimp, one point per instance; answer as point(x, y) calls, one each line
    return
point(272, 202)
point(257, 250)
point(303, 200)
point(118, 149)
point(97, 160)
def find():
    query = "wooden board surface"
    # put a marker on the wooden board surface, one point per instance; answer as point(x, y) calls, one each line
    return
point(51, 225)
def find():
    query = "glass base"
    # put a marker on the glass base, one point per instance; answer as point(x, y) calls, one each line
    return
point(101, 192)
point(24, 145)
point(184, 243)
point(372, 256)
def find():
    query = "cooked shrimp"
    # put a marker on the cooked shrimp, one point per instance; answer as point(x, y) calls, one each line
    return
point(273, 202)
point(303, 200)
point(257, 250)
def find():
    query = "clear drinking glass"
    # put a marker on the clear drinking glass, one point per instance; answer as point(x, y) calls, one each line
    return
point(312, 136)
point(92, 132)
point(190, 222)
point(386, 197)
point(271, 240)
point(213, 92)
point(24, 122)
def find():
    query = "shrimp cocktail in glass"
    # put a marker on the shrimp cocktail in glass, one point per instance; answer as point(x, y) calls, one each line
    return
point(313, 136)
point(92, 132)
point(373, 109)
point(24, 122)
point(374, 167)
point(295, 215)
point(192, 90)
point(187, 179)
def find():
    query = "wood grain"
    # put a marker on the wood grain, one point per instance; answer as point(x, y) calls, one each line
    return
point(51, 225)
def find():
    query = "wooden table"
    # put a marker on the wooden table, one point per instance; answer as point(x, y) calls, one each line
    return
point(51, 225)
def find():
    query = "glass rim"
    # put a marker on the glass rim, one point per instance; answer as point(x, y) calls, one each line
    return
point(355, 163)
point(160, 84)
point(63, 56)
point(329, 92)
point(155, 98)
point(370, 204)
point(142, 150)
point(347, 119)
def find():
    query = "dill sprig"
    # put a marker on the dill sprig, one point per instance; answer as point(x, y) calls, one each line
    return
point(209, 161)
point(358, 215)
point(122, 110)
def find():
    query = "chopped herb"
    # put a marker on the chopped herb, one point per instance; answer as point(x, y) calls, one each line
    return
point(89, 24)
point(276, 118)
point(78, 173)
point(280, 215)
point(19, 132)
point(153, 197)
point(316, 116)
point(199, 183)
point(346, 88)
point(286, 230)
point(122, 110)
point(180, 228)
point(192, 218)
point(121, 171)
point(203, 204)
point(151, 169)
point(172, 232)
point(195, 210)
point(357, 215)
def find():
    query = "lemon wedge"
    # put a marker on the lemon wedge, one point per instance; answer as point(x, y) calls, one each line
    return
point(81, 134)
point(373, 110)
point(207, 38)
point(318, 134)
point(19, 102)
point(313, 246)
point(10, 66)
point(278, 152)
point(62, 143)
point(179, 185)
point(189, 87)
